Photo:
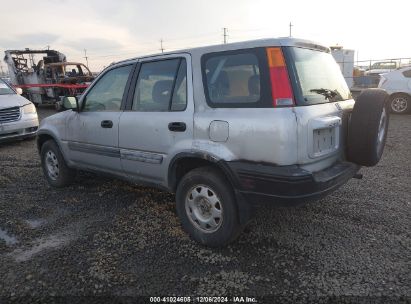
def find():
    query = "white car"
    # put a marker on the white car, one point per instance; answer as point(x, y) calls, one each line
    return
point(398, 85)
point(18, 116)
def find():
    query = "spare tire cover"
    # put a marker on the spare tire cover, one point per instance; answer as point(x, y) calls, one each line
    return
point(368, 127)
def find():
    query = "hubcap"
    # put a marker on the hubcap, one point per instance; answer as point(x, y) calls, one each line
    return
point(52, 165)
point(204, 209)
point(382, 130)
point(399, 104)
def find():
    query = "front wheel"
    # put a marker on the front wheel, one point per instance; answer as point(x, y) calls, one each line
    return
point(400, 103)
point(54, 166)
point(207, 208)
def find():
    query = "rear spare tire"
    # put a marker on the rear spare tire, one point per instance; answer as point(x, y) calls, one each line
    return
point(368, 127)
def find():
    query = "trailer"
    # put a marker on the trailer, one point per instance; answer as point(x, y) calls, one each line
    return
point(45, 76)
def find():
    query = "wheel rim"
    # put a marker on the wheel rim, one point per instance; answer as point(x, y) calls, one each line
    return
point(52, 165)
point(382, 130)
point(399, 104)
point(204, 208)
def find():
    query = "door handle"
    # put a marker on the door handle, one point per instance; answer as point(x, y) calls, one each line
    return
point(177, 126)
point(106, 124)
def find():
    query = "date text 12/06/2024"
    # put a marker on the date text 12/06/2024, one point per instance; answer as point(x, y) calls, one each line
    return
point(203, 300)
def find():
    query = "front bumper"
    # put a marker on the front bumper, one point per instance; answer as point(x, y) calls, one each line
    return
point(19, 129)
point(286, 185)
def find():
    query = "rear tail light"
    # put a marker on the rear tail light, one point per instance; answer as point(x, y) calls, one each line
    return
point(280, 82)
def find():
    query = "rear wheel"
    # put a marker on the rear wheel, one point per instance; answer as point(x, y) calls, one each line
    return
point(368, 128)
point(54, 166)
point(207, 208)
point(400, 103)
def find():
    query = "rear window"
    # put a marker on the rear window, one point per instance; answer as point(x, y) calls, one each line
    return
point(235, 78)
point(317, 76)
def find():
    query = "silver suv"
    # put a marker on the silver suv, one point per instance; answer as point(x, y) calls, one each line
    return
point(224, 127)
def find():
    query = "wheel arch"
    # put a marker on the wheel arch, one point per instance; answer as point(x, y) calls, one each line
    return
point(42, 137)
point(400, 93)
point(184, 162)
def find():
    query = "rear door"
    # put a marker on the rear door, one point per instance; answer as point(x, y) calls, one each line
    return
point(159, 117)
point(92, 133)
point(323, 104)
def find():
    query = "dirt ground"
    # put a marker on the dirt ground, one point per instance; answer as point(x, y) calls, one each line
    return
point(110, 238)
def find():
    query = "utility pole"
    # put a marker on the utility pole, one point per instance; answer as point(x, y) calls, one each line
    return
point(291, 25)
point(161, 46)
point(85, 56)
point(225, 34)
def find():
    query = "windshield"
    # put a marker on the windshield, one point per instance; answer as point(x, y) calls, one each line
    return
point(5, 89)
point(383, 65)
point(319, 76)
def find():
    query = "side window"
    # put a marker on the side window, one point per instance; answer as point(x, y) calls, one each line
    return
point(107, 93)
point(407, 73)
point(232, 79)
point(179, 101)
point(161, 86)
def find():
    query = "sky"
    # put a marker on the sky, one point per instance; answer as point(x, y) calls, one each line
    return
point(112, 30)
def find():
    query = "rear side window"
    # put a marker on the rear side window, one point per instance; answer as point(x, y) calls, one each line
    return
point(161, 86)
point(235, 78)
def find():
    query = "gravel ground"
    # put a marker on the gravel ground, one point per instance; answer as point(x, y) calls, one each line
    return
point(110, 238)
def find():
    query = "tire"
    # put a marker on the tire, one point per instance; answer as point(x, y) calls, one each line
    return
point(213, 202)
point(54, 166)
point(400, 103)
point(368, 127)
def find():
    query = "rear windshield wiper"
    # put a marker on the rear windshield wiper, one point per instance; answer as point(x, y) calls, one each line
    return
point(329, 94)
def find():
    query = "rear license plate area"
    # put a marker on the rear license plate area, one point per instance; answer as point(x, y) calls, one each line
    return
point(324, 141)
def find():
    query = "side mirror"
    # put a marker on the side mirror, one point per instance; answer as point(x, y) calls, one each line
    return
point(71, 102)
point(19, 91)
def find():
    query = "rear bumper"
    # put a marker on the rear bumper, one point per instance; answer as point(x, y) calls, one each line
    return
point(286, 185)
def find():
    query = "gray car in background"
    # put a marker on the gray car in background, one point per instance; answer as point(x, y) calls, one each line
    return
point(225, 127)
point(18, 116)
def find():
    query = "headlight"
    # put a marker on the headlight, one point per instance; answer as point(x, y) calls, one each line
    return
point(29, 109)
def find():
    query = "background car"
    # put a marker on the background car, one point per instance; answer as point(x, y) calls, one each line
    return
point(378, 68)
point(18, 116)
point(398, 85)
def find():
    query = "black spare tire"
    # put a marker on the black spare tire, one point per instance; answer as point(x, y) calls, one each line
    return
point(368, 127)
